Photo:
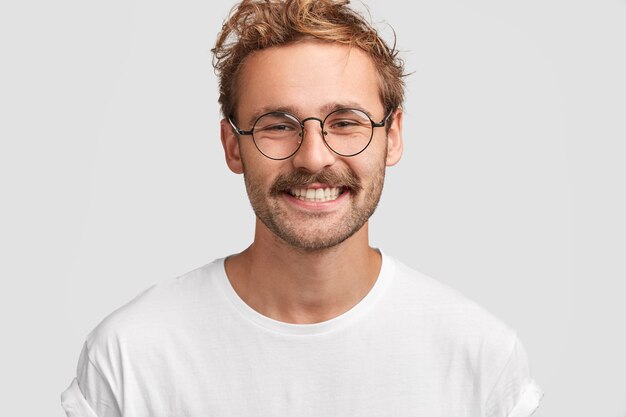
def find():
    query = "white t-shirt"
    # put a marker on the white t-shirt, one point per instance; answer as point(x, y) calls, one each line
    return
point(412, 347)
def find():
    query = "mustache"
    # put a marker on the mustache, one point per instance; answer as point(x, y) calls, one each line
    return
point(301, 178)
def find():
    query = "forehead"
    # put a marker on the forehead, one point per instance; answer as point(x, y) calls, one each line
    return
point(308, 76)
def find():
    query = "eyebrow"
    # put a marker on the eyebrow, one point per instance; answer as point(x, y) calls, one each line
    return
point(323, 111)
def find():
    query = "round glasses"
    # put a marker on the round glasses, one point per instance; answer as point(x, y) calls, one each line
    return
point(278, 135)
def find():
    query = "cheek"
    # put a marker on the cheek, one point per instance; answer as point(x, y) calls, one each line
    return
point(252, 163)
point(259, 176)
point(368, 166)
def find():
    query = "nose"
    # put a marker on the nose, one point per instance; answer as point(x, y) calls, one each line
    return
point(313, 155)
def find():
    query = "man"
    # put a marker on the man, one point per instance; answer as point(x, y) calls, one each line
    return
point(309, 320)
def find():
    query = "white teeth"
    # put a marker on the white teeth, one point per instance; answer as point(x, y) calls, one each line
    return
point(316, 194)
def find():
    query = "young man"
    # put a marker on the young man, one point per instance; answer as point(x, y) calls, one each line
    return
point(309, 320)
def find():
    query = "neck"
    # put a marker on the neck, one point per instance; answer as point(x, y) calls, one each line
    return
point(297, 286)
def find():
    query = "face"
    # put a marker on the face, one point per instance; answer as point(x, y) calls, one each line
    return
point(316, 199)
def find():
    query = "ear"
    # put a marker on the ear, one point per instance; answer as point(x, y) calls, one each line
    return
point(394, 139)
point(230, 143)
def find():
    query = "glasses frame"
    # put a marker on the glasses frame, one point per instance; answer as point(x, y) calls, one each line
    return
point(250, 132)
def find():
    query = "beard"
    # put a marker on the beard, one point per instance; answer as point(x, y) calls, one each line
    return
point(313, 231)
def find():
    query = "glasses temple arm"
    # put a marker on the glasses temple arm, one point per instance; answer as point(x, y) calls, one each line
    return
point(384, 121)
point(239, 131)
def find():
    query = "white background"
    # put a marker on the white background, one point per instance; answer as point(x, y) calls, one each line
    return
point(511, 188)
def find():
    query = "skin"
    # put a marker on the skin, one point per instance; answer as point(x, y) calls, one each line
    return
point(309, 261)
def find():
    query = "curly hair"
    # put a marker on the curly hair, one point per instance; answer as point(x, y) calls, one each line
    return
point(257, 24)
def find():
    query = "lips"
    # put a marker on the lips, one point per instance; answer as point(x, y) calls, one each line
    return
point(316, 194)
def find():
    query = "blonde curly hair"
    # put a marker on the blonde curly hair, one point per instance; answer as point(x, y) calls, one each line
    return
point(257, 24)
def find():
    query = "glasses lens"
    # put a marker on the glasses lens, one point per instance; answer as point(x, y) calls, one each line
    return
point(277, 135)
point(348, 131)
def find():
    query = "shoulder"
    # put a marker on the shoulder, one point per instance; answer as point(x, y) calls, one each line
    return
point(478, 345)
point(456, 332)
point(158, 309)
point(445, 314)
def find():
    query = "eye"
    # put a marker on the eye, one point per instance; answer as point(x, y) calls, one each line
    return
point(343, 123)
point(279, 127)
point(347, 121)
point(276, 124)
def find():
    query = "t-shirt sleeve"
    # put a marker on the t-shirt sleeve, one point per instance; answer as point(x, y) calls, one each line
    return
point(89, 394)
point(515, 394)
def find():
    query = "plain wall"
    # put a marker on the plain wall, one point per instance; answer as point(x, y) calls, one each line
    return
point(511, 187)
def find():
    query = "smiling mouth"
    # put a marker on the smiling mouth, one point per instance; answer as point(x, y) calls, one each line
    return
point(318, 195)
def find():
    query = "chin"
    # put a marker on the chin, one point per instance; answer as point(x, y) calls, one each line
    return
point(313, 239)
